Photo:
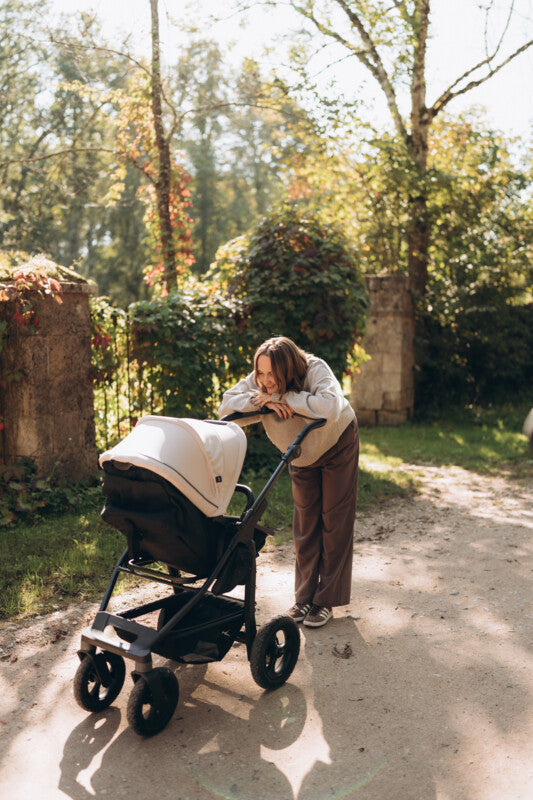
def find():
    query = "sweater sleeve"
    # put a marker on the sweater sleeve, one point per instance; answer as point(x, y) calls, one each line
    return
point(239, 397)
point(322, 397)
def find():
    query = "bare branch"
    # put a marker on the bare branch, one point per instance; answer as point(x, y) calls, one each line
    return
point(326, 31)
point(449, 94)
point(368, 56)
point(55, 155)
point(121, 54)
point(505, 29)
point(376, 67)
point(333, 64)
point(402, 8)
point(230, 104)
point(100, 49)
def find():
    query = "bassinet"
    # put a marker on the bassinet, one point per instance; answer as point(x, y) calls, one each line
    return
point(167, 487)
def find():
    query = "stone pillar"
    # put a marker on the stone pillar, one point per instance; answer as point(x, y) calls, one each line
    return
point(48, 412)
point(383, 393)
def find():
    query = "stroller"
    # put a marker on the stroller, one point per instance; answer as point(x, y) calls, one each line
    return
point(168, 485)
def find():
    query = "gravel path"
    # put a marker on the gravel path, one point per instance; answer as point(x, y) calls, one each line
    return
point(421, 689)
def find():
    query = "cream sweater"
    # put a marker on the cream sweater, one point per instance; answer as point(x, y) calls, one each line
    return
point(321, 396)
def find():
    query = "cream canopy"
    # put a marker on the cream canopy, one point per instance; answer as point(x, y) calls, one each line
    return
point(201, 458)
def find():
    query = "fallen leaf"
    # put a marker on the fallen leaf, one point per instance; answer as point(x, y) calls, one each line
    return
point(346, 652)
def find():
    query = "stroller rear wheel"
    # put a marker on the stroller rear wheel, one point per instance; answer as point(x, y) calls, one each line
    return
point(98, 680)
point(153, 701)
point(275, 651)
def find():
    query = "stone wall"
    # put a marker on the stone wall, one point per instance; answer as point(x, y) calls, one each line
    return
point(48, 413)
point(383, 394)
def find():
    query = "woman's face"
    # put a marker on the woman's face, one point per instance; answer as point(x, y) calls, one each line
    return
point(265, 376)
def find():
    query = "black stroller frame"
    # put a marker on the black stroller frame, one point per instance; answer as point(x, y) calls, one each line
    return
point(272, 651)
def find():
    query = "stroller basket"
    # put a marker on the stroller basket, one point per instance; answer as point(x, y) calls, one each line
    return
point(207, 632)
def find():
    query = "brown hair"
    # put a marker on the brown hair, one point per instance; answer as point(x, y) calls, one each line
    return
point(289, 363)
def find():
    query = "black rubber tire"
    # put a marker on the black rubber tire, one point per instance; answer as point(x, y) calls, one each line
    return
point(90, 693)
point(275, 651)
point(143, 716)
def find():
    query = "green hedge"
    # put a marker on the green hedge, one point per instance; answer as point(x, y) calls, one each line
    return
point(485, 356)
point(294, 276)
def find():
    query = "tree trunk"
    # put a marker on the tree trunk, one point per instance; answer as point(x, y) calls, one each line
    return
point(417, 143)
point(418, 244)
point(419, 233)
point(163, 181)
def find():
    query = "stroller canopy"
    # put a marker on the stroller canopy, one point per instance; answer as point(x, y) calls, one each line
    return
point(201, 458)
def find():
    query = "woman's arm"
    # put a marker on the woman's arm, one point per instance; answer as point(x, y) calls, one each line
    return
point(246, 396)
point(273, 401)
point(239, 397)
point(323, 396)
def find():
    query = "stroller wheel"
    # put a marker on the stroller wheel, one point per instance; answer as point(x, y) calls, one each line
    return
point(275, 652)
point(98, 680)
point(153, 701)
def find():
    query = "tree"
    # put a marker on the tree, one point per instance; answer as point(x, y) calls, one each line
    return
point(57, 159)
point(390, 39)
point(55, 145)
point(162, 178)
point(235, 126)
point(23, 128)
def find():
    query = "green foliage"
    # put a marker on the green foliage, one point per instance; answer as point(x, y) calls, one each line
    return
point(476, 342)
point(23, 492)
point(236, 128)
point(25, 286)
point(189, 342)
point(474, 324)
point(484, 355)
point(296, 277)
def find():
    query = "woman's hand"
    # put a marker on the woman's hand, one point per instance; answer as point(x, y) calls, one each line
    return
point(283, 410)
point(261, 399)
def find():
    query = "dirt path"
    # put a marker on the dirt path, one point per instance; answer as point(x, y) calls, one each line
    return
point(434, 702)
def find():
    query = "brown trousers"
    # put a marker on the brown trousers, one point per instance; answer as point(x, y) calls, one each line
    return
point(325, 496)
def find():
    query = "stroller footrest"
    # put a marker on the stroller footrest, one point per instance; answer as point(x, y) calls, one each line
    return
point(136, 639)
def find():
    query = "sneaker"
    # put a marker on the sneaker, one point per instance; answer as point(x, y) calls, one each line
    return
point(318, 616)
point(299, 611)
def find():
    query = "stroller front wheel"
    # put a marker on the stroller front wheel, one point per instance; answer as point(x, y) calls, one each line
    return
point(153, 701)
point(275, 651)
point(98, 680)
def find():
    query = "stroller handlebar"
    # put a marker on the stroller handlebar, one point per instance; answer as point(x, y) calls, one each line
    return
point(293, 451)
point(235, 416)
point(254, 416)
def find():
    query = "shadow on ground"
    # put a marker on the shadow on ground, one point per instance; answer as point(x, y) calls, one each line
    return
point(421, 690)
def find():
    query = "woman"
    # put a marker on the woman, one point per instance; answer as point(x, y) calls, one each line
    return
point(295, 384)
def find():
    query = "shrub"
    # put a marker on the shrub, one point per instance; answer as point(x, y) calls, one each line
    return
point(189, 341)
point(296, 277)
point(483, 355)
point(23, 493)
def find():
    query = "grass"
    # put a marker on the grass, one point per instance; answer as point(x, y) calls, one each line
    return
point(50, 560)
point(482, 440)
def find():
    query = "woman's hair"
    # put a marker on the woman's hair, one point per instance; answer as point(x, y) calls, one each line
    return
point(289, 363)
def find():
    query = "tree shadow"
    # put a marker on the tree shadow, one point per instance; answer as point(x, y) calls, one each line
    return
point(431, 701)
point(212, 746)
point(444, 609)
